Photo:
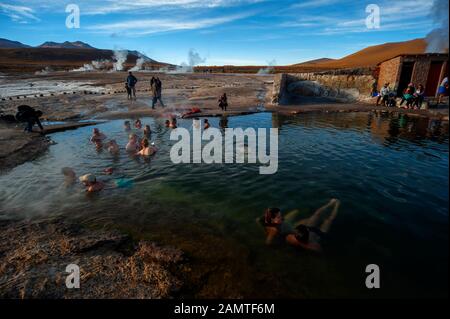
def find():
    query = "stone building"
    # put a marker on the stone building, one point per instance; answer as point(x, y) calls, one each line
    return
point(428, 69)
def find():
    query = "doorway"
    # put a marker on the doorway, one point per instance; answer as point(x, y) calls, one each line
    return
point(405, 77)
point(433, 78)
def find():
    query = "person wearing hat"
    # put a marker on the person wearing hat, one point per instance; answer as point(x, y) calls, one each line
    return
point(91, 183)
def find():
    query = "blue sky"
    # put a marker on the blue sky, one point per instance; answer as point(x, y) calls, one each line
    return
point(240, 32)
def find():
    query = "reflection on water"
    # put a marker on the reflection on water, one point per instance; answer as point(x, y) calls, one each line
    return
point(390, 172)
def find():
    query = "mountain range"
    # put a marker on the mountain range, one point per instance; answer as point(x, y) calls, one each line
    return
point(16, 57)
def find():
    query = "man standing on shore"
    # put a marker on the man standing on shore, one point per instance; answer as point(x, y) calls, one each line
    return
point(156, 87)
point(131, 83)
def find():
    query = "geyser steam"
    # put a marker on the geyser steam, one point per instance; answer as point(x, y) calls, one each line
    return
point(194, 59)
point(120, 56)
point(438, 38)
point(269, 69)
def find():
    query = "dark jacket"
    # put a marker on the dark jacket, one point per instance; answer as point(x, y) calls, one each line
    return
point(131, 80)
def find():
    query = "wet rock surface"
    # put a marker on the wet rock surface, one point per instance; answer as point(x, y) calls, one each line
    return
point(34, 256)
point(17, 147)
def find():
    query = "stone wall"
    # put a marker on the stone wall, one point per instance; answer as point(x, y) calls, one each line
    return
point(348, 87)
point(390, 72)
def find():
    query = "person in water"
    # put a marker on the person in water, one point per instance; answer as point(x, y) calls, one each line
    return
point(113, 147)
point(127, 126)
point(272, 222)
point(206, 124)
point(309, 232)
point(97, 136)
point(91, 183)
point(138, 124)
point(196, 124)
point(133, 144)
point(173, 123)
point(167, 123)
point(147, 130)
point(146, 150)
point(69, 176)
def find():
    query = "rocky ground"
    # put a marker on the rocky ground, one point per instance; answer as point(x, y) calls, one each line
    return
point(34, 256)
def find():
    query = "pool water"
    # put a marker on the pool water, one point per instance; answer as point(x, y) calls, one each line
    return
point(389, 171)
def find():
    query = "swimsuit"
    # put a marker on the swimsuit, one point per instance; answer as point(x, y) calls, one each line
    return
point(315, 230)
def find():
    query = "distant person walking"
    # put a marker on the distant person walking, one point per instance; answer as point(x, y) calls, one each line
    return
point(223, 102)
point(156, 87)
point(131, 83)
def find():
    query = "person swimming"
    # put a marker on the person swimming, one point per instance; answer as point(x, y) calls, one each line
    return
point(146, 150)
point(91, 183)
point(310, 232)
point(108, 171)
point(133, 145)
point(306, 233)
point(167, 123)
point(69, 176)
point(147, 130)
point(272, 222)
point(173, 123)
point(97, 136)
point(113, 147)
point(196, 124)
point(127, 126)
point(206, 124)
point(138, 124)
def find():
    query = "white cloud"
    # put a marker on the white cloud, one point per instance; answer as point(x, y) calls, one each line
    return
point(102, 7)
point(19, 14)
point(313, 4)
point(152, 26)
point(395, 15)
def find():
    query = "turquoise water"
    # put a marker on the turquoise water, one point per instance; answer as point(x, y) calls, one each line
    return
point(389, 171)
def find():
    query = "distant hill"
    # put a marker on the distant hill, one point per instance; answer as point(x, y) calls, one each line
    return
point(372, 55)
point(8, 44)
point(66, 45)
point(316, 61)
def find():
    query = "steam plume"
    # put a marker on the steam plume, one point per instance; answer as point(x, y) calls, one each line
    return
point(438, 38)
point(269, 69)
point(194, 59)
point(120, 56)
